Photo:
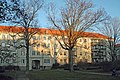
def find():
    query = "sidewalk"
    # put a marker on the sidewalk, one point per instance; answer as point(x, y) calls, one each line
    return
point(21, 76)
point(107, 74)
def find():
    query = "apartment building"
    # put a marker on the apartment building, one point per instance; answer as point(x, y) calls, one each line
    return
point(118, 51)
point(90, 48)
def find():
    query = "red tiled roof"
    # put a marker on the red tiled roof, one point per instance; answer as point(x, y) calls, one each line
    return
point(48, 31)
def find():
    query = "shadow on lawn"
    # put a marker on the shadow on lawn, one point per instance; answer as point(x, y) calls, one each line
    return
point(3, 77)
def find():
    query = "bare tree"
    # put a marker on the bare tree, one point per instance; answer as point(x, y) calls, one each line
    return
point(3, 6)
point(111, 28)
point(9, 46)
point(8, 54)
point(76, 17)
point(25, 13)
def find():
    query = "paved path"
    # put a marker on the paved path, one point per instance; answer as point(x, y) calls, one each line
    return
point(107, 74)
point(21, 76)
point(95, 73)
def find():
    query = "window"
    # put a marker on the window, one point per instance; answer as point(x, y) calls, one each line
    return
point(38, 37)
point(80, 53)
point(85, 40)
point(80, 40)
point(60, 53)
point(38, 53)
point(85, 53)
point(44, 45)
point(49, 37)
point(8, 36)
point(55, 53)
point(2, 61)
point(7, 60)
point(60, 38)
point(33, 52)
point(22, 42)
point(54, 38)
point(3, 44)
point(61, 60)
point(85, 46)
point(23, 51)
point(48, 52)
point(3, 36)
point(14, 54)
point(34, 37)
point(65, 61)
point(23, 61)
point(38, 45)
point(48, 45)
point(44, 37)
point(65, 53)
point(55, 46)
point(46, 60)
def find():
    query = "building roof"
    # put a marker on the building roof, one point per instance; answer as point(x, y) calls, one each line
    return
point(117, 45)
point(15, 29)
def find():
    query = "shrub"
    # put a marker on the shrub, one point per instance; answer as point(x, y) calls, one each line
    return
point(2, 69)
point(55, 66)
point(12, 67)
point(3, 77)
point(67, 67)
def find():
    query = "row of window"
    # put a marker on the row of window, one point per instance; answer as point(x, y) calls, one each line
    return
point(44, 37)
point(34, 37)
point(23, 61)
point(45, 61)
point(34, 53)
point(83, 40)
point(97, 46)
point(8, 60)
point(38, 53)
point(65, 53)
point(38, 38)
point(6, 37)
point(63, 61)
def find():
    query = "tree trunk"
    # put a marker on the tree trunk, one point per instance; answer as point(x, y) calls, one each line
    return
point(27, 56)
point(27, 49)
point(114, 61)
point(70, 60)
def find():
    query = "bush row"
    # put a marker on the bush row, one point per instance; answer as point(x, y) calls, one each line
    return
point(105, 66)
point(9, 68)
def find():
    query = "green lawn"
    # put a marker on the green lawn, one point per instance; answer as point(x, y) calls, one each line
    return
point(64, 75)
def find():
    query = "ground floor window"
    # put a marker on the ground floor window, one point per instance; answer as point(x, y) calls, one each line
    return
point(46, 60)
point(23, 61)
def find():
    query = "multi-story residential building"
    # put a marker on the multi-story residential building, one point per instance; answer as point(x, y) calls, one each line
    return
point(99, 51)
point(89, 48)
point(118, 51)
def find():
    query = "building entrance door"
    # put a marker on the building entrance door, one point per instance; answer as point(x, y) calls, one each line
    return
point(35, 64)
